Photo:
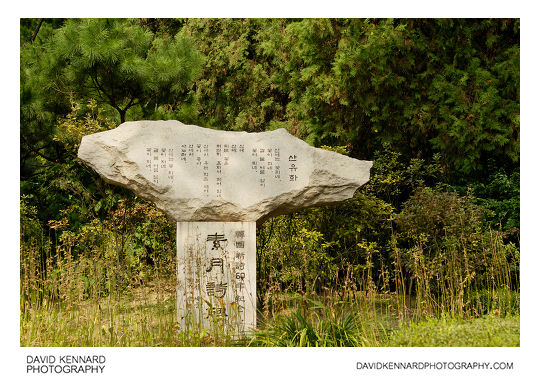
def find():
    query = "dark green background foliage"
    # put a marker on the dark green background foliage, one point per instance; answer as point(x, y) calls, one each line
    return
point(434, 103)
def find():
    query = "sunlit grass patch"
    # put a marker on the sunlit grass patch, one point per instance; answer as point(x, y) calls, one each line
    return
point(111, 322)
point(487, 331)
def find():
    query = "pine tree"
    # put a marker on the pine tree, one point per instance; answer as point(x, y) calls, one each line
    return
point(118, 63)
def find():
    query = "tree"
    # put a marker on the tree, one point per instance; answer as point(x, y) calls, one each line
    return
point(118, 63)
point(236, 90)
point(422, 86)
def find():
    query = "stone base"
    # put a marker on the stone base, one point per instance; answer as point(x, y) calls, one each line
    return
point(216, 287)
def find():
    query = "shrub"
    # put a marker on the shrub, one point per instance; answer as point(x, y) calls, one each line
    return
point(450, 253)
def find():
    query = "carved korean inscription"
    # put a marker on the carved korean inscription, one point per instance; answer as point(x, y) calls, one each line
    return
point(214, 170)
point(201, 174)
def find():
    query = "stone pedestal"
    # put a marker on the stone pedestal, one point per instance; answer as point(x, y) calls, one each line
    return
point(216, 286)
point(201, 177)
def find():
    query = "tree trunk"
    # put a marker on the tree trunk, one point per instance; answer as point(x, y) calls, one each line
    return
point(122, 115)
point(36, 31)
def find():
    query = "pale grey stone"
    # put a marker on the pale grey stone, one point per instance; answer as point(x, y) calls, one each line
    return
point(216, 285)
point(249, 176)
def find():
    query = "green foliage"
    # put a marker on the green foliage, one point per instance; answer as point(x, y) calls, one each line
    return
point(31, 230)
point(430, 216)
point(500, 193)
point(314, 326)
point(451, 255)
point(65, 184)
point(117, 62)
point(33, 248)
point(236, 90)
point(501, 301)
point(140, 319)
point(393, 178)
point(438, 251)
point(321, 247)
point(294, 255)
point(424, 86)
point(347, 243)
point(73, 128)
point(111, 235)
point(148, 318)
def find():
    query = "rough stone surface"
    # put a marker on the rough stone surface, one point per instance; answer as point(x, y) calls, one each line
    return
point(201, 174)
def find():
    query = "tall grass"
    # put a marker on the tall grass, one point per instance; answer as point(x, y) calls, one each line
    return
point(328, 321)
point(456, 282)
point(93, 289)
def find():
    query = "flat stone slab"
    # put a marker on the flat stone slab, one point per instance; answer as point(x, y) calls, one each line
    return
point(201, 174)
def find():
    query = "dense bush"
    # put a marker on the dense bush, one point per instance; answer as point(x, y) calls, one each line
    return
point(449, 252)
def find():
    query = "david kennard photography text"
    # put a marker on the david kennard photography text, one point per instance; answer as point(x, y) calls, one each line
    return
point(65, 364)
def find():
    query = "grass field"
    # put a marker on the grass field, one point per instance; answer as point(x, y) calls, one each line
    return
point(99, 297)
point(487, 331)
point(147, 317)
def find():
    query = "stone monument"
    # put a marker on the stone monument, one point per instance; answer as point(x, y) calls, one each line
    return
point(217, 185)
